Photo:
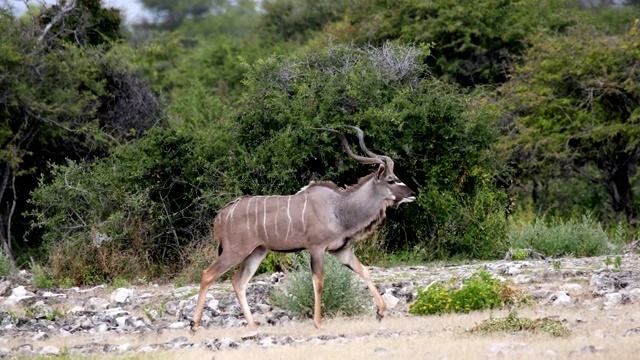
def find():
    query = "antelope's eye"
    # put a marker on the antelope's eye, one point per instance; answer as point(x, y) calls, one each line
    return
point(391, 181)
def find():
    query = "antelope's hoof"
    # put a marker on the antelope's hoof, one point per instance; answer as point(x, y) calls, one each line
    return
point(379, 316)
point(193, 327)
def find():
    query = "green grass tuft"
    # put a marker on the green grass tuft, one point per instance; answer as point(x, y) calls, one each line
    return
point(513, 323)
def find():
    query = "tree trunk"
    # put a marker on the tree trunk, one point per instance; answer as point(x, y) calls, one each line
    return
point(619, 188)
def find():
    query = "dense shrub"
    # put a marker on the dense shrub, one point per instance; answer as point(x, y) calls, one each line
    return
point(141, 206)
point(343, 293)
point(561, 238)
point(478, 292)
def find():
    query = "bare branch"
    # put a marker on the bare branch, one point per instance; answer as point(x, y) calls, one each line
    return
point(68, 6)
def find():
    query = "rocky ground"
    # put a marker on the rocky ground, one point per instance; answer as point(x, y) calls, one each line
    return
point(154, 319)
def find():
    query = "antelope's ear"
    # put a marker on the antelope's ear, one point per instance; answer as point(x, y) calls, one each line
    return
point(380, 172)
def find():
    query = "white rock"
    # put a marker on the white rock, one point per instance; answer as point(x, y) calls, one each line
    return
point(122, 295)
point(147, 348)
point(54, 295)
point(390, 300)
point(513, 271)
point(123, 348)
point(612, 300)
point(97, 303)
point(634, 296)
point(177, 325)
point(17, 294)
point(195, 297)
point(121, 321)
point(115, 312)
point(561, 299)
point(49, 350)
point(522, 279)
point(269, 341)
point(213, 304)
point(19, 291)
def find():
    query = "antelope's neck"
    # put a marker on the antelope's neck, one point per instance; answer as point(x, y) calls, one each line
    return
point(360, 210)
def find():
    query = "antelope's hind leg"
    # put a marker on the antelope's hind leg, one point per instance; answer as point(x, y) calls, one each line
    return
point(221, 265)
point(348, 258)
point(242, 277)
point(317, 276)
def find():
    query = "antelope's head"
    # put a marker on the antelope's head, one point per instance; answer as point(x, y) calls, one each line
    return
point(384, 179)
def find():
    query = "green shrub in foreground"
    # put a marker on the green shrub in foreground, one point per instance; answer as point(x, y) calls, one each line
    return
point(480, 291)
point(343, 294)
point(557, 238)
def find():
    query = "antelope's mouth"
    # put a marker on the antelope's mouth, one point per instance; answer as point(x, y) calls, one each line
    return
point(405, 200)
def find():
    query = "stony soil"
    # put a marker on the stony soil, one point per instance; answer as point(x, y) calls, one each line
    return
point(600, 303)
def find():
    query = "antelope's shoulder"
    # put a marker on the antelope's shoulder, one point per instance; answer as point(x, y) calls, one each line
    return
point(321, 185)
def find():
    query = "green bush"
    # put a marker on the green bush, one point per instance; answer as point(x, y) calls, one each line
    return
point(343, 293)
point(478, 292)
point(561, 238)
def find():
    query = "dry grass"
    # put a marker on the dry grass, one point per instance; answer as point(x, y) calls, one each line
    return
point(404, 338)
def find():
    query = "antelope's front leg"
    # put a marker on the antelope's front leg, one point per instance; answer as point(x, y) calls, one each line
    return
point(317, 268)
point(348, 258)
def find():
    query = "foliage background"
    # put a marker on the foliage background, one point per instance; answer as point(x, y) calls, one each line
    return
point(120, 142)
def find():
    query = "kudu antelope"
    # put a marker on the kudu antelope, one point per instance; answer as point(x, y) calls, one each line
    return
point(320, 218)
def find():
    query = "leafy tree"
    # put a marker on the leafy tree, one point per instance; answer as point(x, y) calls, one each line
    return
point(474, 42)
point(81, 22)
point(151, 201)
point(61, 97)
point(296, 20)
point(573, 106)
point(203, 17)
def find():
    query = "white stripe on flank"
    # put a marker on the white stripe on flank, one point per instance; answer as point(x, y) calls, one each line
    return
point(230, 214)
point(304, 209)
point(264, 218)
point(248, 202)
point(289, 216)
point(256, 216)
point(275, 222)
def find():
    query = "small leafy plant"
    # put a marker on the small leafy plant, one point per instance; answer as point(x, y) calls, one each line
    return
point(343, 294)
point(42, 279)
point(480, 291)
point(513, 323)
point(5, 264)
